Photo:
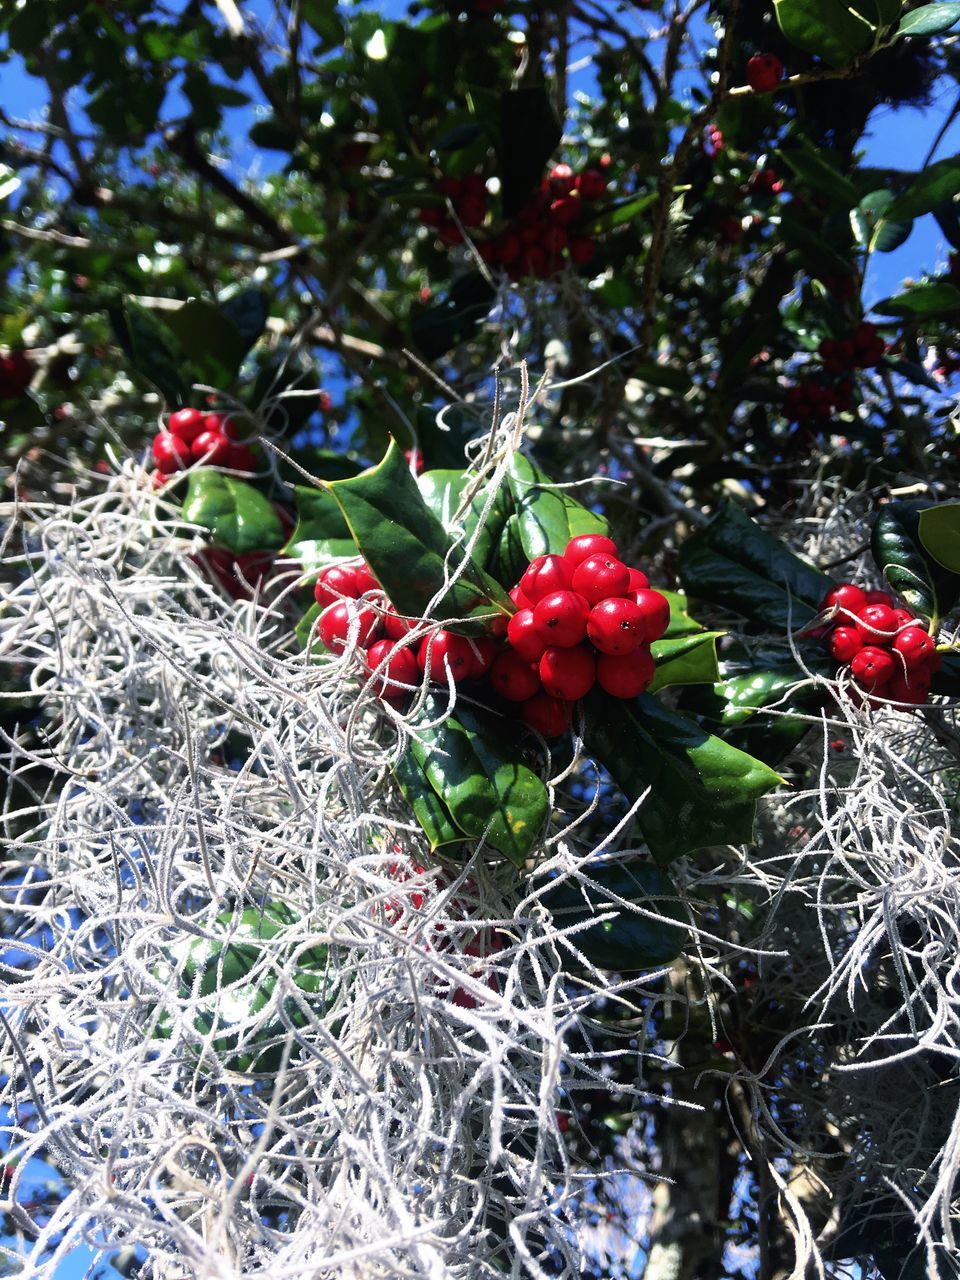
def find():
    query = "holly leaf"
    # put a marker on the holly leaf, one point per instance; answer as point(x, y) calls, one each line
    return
point(428, 809)
point(932, 186)
point(683, 660)
point(322, 534)
point(939, 533)
point(237, 515)
point(152, 349)
point(480, 776)
point(937, 298)
point(702, 791)
point(681, 623)
point(529, 134)
point(215, 345)
point(630, 940)
point(929, 589)
point(734, 563)
point(306, 629)
point(827, 28)
point(930, 20)
point(873, 228)
point(453, 319)
point(443, 491)
point(547, 517)
point(511, 558)
point(247, 310)
point(816, 172)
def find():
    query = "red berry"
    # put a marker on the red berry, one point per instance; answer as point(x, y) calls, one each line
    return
point(338, 621)
point(240, 458)
point(568, 674)
point(400, 669)
point(365, 580)
point(483, 649)
point(588, 544)
point(877, 623)
point(222, 422)
point(625, 676)
point(519, 599)
point(764, 72)
point(904, 617)
point(912, 686)
point(169, 453)
point(561, 618)
point(336, 583)
point(186, 424)
point(445, 650)
point(561, 181)
point(872, 667)
point(638, 580)
point(591, 184)
point(655, 608)
point(846, 598)
point(617, 626)
point(845, 643)
point(601, 576)
point(472, 210)
point(914, 646)
point(548, 716)
point(513, 677)
point(16, 374)
point(395, 626)
point(545, 575)
point(878, 597)
point(564, 211)
point(524, 636)
point(211, 447)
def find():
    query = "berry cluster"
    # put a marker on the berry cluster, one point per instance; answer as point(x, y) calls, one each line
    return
point(886, 648)
point(16, 374)
point(582, 618)
point(809, 399)
point(469, 199)
point(862, 350)
point(192, 436)
point(764, 72)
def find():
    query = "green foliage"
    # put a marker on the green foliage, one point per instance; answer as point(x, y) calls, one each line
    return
point(547, 518)
point(831, 29)
point(238, 516)
point(928, 588)
point(939, 532)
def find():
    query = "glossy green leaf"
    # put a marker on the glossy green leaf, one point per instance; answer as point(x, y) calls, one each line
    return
point(734, 563)
point(477, 770)
point(681, 623)
point(152, 350)
point(442, 437)
point(826, 28)
point(286, 397)
point(702, 790)
point(306, 630)
point(442, 492)
point(871, 226)
point(428, 809)
point(929, 589)
point(684, 660)
point(238, 516)
point(247, 310)
point(619, 215)
point(628, 942)
point(407, 547)
point(321, 534)
point(930, 20)
point(932, 186)
point(454, 319)
point(934, 299)
point(939, 532)
point(816, 172)
point(511, 558)
point(548, 518)
point(529, 134)
point(214, 343)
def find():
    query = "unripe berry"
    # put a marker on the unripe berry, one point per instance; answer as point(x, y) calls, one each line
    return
point(336, 583)
point(872, 667)
point(399, 676)
point(513, 677)
point(445, 650)
point(601, 576)
point(588, 544)
point(914, 646)
point(627, 676)
point(186, 424)
point(561, 618)
point(845, 599)
point(336, 622)
point(548, 716)
point(524, 636)
point(877, 623)
point(568, 674)
point(545, 575)
point(211, 447)
point(169, 453)
point(655, 609)
point(844, 643)
point(616, 626)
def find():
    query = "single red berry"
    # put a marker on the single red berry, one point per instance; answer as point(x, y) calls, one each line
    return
point(655, 608)
point(568, 674)
point(625, 676)
point(588, 544)
point(872, 667)
point(548, 716)
point(513, 677)
point(225, 423)
point(169, 453)
point(844, 643)
point(845, 598)
point(591, 184)
point(211, 447)
point(445, 650)
point(914, 646)
point(617, 626)
point(638, 580)
point(561, 618)
point(519, 599)
point(338, 621)
point(564, 211)
point(400, 673)
point(483, 649)
point(472, 210)
point(582, 250)
point(601, 576)
point(524, 636)
point(877, 623)
point(395, 626)
point(878, 597)
point(904, 617)
point(16, 374)
point(553, 241)
point(764, 72)
point(561, 181)
point(545, 575)
point(186, 424)
point(365, 580)
point(912, 687)
point(240, 458)
point(339, 582)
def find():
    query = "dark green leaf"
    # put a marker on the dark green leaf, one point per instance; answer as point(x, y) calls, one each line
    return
point(429, 810)
point(872, 227)
point(948, 219)
point(915, 373)
point(688, 659)
point(681, 623)
point(286, 397)
point(701, 790)
point(928, 588)
point(939, 532)
point(627, 942)
point(529, 134)
point(929, 20)
point(826, 28)
point(151, 349)
point(238, 516)
point(817, 173)
point(442, 438)
point(934, 185)
point(934, 299)
point(548, 517)
point(21, 414)
point(459, 136)
point(273, 135)
point(734, 563)
point(321, 534)
point(455, 319)
point(247, 311)
point(407, 547)
point(214, 343)
point(306, 632)
point(618, 215)
point(442, 492)
point(511, 559)
point(478, 772)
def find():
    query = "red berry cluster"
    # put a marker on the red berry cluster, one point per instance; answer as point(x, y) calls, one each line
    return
point(887, 649)
point(194, 436)
point(764, 72)
point(16, 374)
point(809, 399)
point(469, 199)
point(582, 618)
point(862, 350)
point(545, 229)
